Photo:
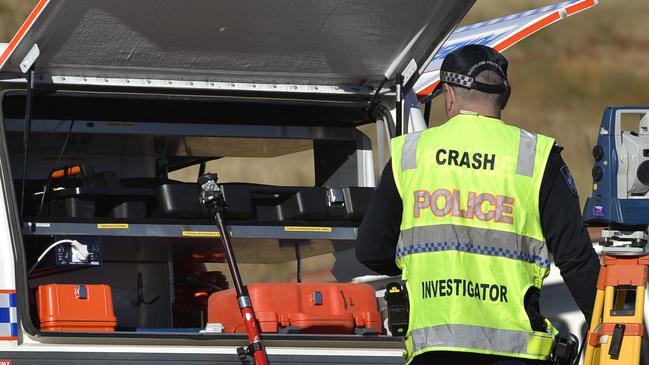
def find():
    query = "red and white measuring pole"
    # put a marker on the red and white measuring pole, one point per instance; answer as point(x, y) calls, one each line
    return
point(211, 197)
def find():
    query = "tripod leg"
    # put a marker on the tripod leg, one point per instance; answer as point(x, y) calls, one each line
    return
point(639, 317)
point(623, 327)
point(591, 352)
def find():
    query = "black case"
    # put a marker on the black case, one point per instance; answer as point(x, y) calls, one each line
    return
point(101, 202)
point(264, 202)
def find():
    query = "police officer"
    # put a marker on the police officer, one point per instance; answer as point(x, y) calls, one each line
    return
point(468, 213)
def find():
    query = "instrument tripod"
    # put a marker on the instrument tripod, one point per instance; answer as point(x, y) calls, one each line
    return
point(616, 329)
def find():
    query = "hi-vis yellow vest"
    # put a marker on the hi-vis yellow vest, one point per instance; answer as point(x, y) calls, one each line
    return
point(471, 243)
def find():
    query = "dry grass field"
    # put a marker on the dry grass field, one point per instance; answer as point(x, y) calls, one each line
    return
point(563, 77)
point(12, 14)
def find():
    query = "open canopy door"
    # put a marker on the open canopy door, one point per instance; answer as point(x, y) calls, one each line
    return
point(333, 46)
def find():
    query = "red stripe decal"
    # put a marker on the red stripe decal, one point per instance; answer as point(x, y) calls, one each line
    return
point(528, 31)
point(428, 90)
point(582, 5)
point(22, 31)
point(8, 338)
point(7, 291)
point(517, 37)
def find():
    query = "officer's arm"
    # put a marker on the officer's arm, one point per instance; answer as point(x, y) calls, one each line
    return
point(566, 235)
point(379, 231)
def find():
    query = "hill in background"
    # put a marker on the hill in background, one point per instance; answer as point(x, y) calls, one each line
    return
point(562, 77)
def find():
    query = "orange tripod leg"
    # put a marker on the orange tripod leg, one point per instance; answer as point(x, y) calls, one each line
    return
point(592, 351)
point(617, 339)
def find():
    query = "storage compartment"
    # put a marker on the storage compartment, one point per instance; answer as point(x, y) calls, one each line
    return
point(296, 191)
point(301, 308)
point(70, 307)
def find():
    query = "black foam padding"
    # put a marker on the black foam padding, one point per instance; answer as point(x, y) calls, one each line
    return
point(264, 202)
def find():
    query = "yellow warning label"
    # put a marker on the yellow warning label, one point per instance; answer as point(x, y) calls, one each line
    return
point(394, 290)
point(307, 229)
point(201, 234)
point(121, 124)
point(112, 225)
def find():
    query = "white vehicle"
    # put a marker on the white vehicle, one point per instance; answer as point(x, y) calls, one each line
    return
point(132, 92)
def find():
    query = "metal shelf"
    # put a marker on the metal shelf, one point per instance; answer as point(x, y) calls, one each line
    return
point(188, 230)
point(183, 129)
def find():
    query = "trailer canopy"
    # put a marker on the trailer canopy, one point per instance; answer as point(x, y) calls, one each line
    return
point(333, 46)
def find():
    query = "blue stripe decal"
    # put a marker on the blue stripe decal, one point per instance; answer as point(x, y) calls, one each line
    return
point(8, 320)
point(472, 248)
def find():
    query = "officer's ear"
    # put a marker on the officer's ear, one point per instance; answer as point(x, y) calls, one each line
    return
point(450, 100)
point(504, 97)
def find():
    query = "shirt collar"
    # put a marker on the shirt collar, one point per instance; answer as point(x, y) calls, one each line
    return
point(470, 113)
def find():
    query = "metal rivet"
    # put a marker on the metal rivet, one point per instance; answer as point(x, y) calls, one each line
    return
point(191, 83)
point(85, 79)
point(62, 77)
point(148, 81)
point(127, 81)
point(211, 84)
point(295, 87)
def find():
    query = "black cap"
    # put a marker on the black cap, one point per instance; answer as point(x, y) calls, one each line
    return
point(461, 66)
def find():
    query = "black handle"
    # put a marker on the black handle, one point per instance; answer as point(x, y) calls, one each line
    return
point(616, 341)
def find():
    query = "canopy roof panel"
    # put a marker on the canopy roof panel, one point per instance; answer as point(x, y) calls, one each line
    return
point(345, 46)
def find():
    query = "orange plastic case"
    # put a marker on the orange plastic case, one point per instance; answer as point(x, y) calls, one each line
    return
point(76, 308)
point(305, 308)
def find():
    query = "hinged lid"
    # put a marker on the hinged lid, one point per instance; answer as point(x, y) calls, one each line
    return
point(342, 47)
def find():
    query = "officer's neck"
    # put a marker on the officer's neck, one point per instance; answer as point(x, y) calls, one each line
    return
point(484, 110)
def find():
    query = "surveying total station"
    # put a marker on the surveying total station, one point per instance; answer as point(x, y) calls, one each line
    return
point(620, 203)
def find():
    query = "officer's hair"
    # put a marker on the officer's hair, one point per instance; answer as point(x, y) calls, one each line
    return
point(467, 96)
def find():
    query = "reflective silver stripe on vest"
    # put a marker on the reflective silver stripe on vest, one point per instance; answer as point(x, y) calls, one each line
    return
point(409, 152)
point(526, 153)
point(472, 337)
point(449, 237)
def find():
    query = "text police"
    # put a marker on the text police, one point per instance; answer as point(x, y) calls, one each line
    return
point(472, 205)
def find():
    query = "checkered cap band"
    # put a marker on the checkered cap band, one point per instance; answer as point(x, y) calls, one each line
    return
point(455, 78)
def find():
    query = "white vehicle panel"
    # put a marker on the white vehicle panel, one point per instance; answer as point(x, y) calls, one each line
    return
point(499, 33)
